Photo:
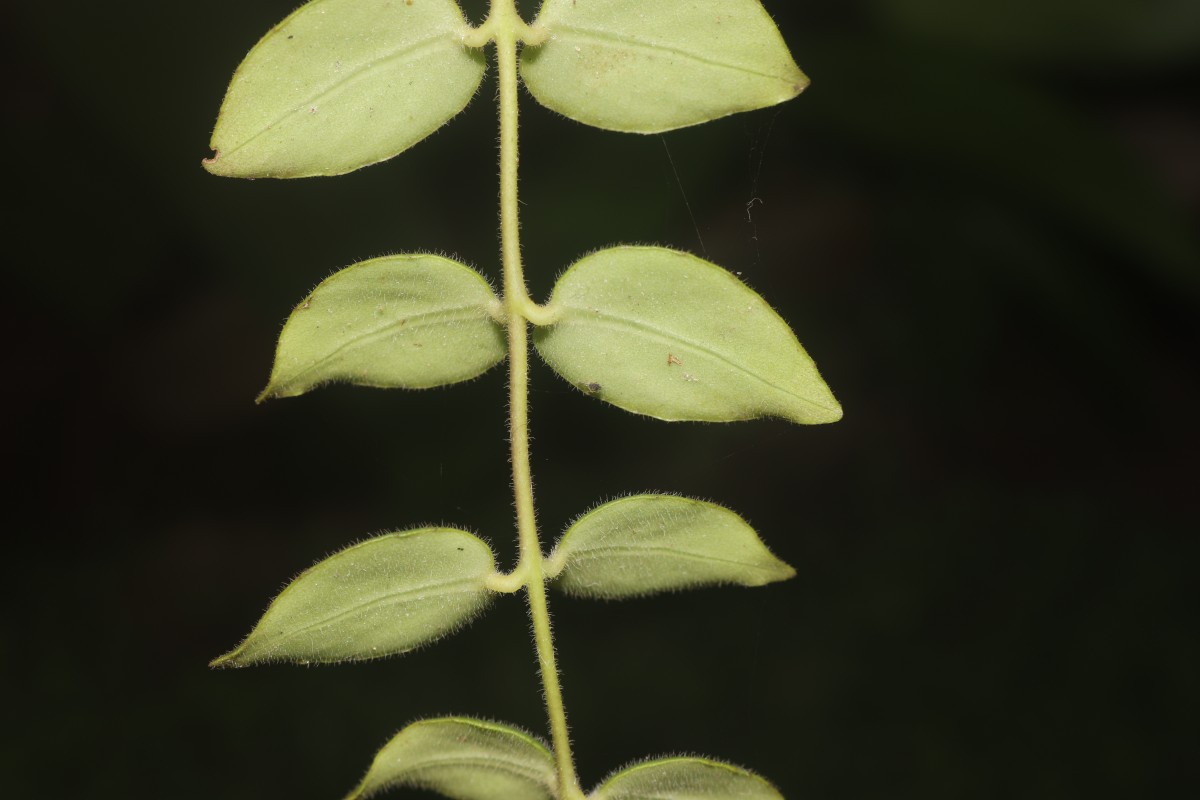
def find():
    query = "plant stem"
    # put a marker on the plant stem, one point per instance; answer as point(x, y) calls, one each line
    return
point(506, 28)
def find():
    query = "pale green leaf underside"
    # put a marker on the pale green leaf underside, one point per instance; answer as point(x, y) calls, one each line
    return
point(407, 321)
point(652, 543)
point(685, 779)
point(465, 759)
point(382, 597)
point(669, 335)
point(341, 84)
point(646, 67)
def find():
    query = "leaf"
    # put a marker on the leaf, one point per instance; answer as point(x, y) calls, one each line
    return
point(465, 759)
point(408, 321)
point(382, 597)
point(648, 67)
point(666, 334)
point(341, 84)
point(685, 779)
point(653, 543)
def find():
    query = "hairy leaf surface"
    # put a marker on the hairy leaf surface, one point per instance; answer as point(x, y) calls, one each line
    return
point(409, 321)
point(341, 84)
point(382, 597)
point(652, 543)
point(685, 779)
point(669, 335)
point(647, 67)
point(465, 759)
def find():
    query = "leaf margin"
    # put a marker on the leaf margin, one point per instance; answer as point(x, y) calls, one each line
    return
point(360, 792)
point(655, 761)
point(229, 660)
point(211, 164)
point(556, 563)
point(554, 312)
point(799, 81)
point(492, 310)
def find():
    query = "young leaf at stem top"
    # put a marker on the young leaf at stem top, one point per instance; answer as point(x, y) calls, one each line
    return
point(669, 335)
point(653, 543)
point(409, 321)
point(466, 759)
point(382, 597)
point(341, 84)
point(647, 66)
point(685, 779)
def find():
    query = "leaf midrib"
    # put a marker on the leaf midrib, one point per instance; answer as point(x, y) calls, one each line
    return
point(609, 37)
point(341, 83)
point(427, 319)
point(613, 321)
point(512, 767)
point(377, 600)
point(592, 553)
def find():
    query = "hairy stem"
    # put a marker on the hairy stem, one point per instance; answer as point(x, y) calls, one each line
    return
point(506, 29)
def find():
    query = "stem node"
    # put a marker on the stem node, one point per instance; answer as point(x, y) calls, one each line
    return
point(508, 30)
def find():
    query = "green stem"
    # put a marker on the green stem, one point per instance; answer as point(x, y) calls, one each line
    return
point(506, 28)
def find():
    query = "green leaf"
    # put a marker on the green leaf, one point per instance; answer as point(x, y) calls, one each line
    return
point(465, 759)
point(408, 321)
point(654, 543)
point(685, 779)
point(648, 67)
point(666, 334)
point(382, 597)
point(341, 84)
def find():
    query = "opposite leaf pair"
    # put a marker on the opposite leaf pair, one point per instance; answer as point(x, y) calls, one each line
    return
point(342, 84)
point(651, 330)
point(395, 592)
point(470, 759)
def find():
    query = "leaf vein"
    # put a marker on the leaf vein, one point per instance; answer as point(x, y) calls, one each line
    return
point(609, 37)
point(340, 83)
point(391, 597)
point(634, 550)
point(672, 337)
point(426, 319)
point(513, 767)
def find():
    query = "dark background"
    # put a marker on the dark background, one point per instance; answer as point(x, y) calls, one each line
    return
point(981, 221)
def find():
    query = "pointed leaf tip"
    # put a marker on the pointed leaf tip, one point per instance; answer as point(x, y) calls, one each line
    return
point(654, 543)
point(382, 597)
point(656, 66)
point(671, 336)
point(343, 84)
point(411, 321)
point(465, 759)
